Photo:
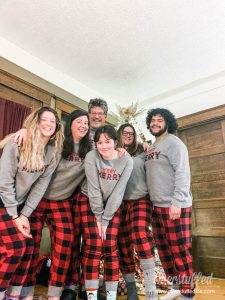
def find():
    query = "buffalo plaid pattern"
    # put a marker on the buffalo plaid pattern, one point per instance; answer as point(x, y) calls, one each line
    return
point(58, 217)
point(94, 247)
point(15, 253)
point(135, 233)
point(173, 240)
point(74, 275)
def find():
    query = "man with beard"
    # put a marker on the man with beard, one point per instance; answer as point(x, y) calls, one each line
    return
point(168, 180)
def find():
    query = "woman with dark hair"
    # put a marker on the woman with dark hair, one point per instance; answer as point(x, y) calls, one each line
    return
point(134, 232)
point(25, 173)
point(100, 200)
point(56, 207)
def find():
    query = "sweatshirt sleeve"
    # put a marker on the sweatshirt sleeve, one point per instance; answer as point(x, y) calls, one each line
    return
point(94, 190)
point(38, 189)
point(8, 169)
point(179, 160)
point(116, 197)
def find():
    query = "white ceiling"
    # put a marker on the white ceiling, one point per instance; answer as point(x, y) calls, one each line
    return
point(122, 50)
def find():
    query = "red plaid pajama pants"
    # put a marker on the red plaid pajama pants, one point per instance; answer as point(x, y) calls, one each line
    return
point(134, 233)
point(15, 253)
point(58, 217)
point(74, 273)
point(173, 240)
point(94, 247)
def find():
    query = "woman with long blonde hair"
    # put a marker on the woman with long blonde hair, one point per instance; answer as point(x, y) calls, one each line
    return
point(60, 211)
point(25, 172)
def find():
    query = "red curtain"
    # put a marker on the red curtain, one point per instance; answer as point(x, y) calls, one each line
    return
point(12, 116)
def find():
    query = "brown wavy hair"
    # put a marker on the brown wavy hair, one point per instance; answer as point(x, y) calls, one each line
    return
point(133, 149)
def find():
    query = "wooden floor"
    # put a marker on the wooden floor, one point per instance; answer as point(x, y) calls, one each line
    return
point(204, 291)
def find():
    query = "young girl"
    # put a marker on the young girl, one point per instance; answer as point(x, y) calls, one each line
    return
point(25, 173)
point(100, 201)
point(134, 232)
point(56, 208)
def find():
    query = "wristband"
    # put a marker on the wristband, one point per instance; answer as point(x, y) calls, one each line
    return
point(15, 218)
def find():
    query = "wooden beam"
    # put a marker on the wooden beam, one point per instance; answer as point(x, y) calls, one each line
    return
point(65, 106)
point(201, 117)
point(209, 203)
point(24, 87)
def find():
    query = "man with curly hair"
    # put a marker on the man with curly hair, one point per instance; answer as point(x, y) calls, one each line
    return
point(168, 180)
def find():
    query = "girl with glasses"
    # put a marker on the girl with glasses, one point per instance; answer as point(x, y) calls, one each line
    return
point(134, 232)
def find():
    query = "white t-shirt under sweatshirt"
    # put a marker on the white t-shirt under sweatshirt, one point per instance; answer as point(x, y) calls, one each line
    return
point(168, 173)
point(106, 183)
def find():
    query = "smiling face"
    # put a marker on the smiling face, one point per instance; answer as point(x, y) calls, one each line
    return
point(127, 136)
point(79, 128)
point(158, 126)
point(97, 117)
point(106, 146)
point(47, 124)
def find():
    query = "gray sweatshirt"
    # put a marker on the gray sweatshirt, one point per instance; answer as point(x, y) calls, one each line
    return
point(18, 185)
point(137, 185)
point(106, 183)
point(91, 137)
point(67, 177)
point(168, 173)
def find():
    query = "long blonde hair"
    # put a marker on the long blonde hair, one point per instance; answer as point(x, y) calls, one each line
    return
point(32, 151)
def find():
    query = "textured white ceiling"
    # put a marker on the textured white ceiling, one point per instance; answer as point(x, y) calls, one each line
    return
point(124, 50)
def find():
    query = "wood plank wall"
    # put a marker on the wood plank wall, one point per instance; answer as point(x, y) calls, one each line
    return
point(204, 135)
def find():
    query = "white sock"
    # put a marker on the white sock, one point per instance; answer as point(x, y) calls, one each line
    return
point(111, 295)
point(11, 297)
point(92, 294)
point(172, 294)
point(185, 298)
point(2, 295)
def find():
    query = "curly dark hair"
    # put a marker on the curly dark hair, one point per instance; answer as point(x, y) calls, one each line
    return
point(98, 102)
point(85, 143)
point(166, 114)
point(135, 148)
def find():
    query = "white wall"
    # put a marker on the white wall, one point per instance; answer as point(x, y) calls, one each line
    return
point(14, 54)
point(195, 97)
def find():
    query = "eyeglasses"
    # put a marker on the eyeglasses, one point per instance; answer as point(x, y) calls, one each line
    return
point(126, 133)
point(97, 114)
